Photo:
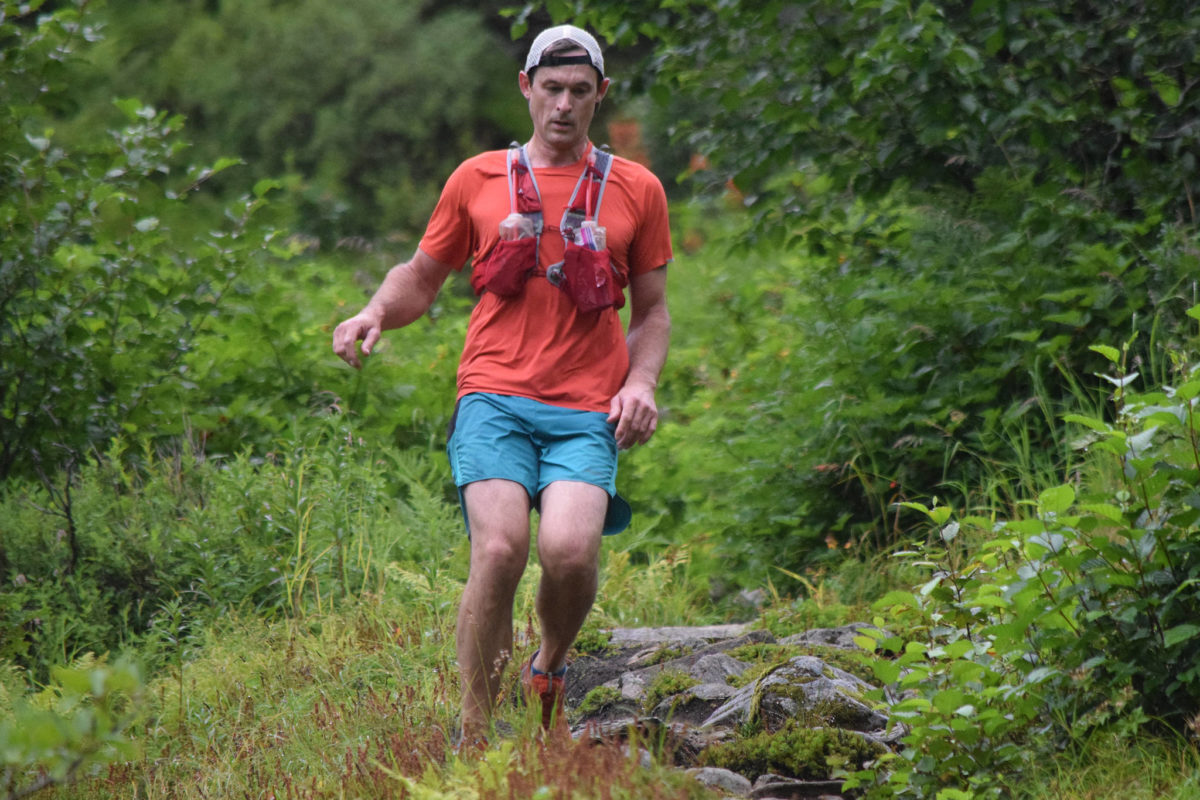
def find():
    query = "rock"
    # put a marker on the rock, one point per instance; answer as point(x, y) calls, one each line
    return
point(779, 787)
point(645, 757)
point(842, 637)
point(803, 684)
point(628, 637)
point(693, 706)
point(723, 779)
point(716, 668)
point(805, 690)
point(712, 691)
point(751, 598)
point(632, 685)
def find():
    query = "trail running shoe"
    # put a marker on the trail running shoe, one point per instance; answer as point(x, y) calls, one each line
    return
point(549, 687)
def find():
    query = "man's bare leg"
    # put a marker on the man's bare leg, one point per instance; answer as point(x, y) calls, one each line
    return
point(569, 531)
point(498, 511)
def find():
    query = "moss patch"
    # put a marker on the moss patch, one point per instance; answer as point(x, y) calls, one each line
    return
point(796, 751)
point(665, 684)
point(766, 657)
point(593, 641)
point(599, 699)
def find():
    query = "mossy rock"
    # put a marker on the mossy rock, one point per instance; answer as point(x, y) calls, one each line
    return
point(594, 641)
point(666, 683)
point(599, 700)
point(796, 751)
point(766, 656)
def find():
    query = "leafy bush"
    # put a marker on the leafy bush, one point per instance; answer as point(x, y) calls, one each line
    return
point(80, 721)
point(104, 289)
point(149, 554)
point(365, 105)
point(1078, 616)
point(920, 350)
point(1094, 99)
point(946, 216)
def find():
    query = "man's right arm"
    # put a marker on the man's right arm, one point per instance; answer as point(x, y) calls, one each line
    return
point(406, 293)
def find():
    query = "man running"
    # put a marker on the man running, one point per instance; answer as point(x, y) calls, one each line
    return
point(550, 385)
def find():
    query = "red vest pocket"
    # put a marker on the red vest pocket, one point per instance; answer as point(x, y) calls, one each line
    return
point(506, 268)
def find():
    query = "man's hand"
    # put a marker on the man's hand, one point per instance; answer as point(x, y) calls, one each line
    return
point(635, 413)
point(362, 326)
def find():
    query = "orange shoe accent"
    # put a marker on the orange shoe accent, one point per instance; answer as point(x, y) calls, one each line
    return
point(549, 687)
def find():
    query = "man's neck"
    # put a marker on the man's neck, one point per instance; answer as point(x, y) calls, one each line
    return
point(542, 155)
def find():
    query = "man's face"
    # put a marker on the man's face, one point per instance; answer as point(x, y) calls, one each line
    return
point(562, 102)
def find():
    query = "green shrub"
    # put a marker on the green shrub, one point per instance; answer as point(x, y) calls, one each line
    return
point(104, 283)
point(1079, 615)
point(160, 548)
point(362, 105)
point(80, 721)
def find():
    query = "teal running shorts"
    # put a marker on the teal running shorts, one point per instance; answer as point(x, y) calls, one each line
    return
point(534, 444)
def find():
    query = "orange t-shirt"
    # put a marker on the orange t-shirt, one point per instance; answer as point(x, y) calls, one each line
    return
point(537, 344)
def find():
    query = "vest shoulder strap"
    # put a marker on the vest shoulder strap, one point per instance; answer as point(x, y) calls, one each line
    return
point(604, 162)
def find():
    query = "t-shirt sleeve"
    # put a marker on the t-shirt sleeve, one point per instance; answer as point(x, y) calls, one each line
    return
point(450, 232)
point(652, 245)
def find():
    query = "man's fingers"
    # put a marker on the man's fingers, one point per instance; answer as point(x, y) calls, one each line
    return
point(370, 340)
point(636, 425)
point(346, 336)
point(614, 409)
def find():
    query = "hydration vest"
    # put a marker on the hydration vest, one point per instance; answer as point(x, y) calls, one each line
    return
point(586, 274)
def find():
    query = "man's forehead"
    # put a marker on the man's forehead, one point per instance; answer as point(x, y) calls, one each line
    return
point(567, 74)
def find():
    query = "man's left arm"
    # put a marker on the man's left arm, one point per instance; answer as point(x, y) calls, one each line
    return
point(633, 408)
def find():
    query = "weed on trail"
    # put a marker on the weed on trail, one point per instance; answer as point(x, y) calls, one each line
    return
point(360, 703)
point(557, 767)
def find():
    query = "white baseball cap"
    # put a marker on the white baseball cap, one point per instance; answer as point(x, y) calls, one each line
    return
point(564, 33)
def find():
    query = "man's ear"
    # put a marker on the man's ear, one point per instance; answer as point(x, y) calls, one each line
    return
point(525, 83)
point(602, 89)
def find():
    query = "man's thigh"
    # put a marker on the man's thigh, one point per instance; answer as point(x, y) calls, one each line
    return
point(572, 510)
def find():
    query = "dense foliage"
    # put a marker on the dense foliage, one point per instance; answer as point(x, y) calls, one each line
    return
point(1081, 614)
point(1097, 97)
point(905, 333)
point(973, 194)
point(364, 106)
point(101, 305)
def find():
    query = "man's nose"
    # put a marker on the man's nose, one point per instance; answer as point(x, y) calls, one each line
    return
point(563, 102)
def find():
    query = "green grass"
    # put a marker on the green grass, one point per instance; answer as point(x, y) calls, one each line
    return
point(359, 702)
point(1118, 767)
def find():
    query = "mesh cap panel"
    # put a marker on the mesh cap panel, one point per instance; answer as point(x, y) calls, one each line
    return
point(564, 33)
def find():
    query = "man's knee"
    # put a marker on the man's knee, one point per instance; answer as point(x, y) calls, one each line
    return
point(568, 560)
point(501, 553)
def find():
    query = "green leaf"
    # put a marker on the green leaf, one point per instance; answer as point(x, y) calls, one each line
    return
point(896, 598)
point(40, 143)
point(1168, 90)
point(1106, 510)
point(1057, 500)
point(1188, 391)
point(1111, 353)
point(130, 107)
point(1180, 634)
point(1089, 422)
point(866, 643)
